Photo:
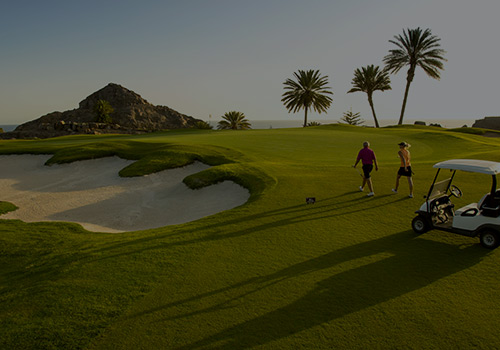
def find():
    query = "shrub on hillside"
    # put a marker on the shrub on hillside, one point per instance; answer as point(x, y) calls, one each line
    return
point(352, 118)
point(313, 124)
point(103, 111)
point(5, 207)
point(203, 125)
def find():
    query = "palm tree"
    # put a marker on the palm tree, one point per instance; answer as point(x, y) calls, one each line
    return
point(234, 120)
point(370, 79)
point(102, 110)
point(308, 91)
point(415, 48)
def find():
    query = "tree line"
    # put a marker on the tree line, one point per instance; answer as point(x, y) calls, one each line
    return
point(308, 89)
point(415, 48)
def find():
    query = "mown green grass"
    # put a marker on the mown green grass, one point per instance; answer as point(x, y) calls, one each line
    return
point(275, 273)
point(5, 207)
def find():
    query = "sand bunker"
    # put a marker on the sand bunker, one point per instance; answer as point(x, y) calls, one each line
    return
point(92, 194)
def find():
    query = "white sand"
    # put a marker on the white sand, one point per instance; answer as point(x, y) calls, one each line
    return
point(92, 194)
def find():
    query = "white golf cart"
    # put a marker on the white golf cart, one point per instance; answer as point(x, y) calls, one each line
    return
point(476, 219)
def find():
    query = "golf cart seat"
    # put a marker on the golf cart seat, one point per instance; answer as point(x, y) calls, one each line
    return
point(468, 210)
point(489, 205)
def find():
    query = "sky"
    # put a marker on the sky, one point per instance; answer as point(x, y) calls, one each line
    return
point(204, 58)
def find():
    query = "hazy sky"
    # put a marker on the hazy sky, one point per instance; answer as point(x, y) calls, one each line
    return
point(207, 57)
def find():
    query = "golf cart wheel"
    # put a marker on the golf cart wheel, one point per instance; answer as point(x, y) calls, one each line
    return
point(420, 225)
point(489, 239)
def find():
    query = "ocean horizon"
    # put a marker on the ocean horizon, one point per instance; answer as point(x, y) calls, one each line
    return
point(297, 123)
point(8, 127)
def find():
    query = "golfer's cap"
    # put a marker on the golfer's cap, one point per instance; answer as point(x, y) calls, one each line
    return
point(402, 144)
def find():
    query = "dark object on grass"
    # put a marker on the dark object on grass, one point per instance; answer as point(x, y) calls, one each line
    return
point(310, 200)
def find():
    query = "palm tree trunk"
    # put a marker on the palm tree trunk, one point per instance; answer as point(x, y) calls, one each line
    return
point(409, 79)
point(370, 101)
point(305, 117)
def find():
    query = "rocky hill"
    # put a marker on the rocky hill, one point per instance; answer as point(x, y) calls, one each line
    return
point(132, 114)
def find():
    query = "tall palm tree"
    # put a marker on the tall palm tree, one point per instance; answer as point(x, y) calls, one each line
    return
point(307, 91)
point(234, 120)
point(415, 48)
point(370, 79)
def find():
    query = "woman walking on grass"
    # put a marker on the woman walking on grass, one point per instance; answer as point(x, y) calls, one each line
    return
point(367, 157)
point(405, 169)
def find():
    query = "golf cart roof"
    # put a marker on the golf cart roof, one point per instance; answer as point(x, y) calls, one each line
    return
point(472, 165)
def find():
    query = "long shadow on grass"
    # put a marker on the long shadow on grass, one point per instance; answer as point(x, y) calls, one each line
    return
point(329, 209)
point(408, 265)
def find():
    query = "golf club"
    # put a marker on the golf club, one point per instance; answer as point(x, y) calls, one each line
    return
point(359, 172)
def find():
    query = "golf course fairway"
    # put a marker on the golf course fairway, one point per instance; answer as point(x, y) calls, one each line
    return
point(274, 273)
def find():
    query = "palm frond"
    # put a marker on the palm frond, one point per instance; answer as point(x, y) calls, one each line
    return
point(234, 120)
point(369, 79)
point(416, 48)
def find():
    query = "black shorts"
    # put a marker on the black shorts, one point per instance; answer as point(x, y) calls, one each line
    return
point(404, 172)
point(367, 169)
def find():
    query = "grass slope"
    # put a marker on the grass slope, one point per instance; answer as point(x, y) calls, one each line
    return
point(5, 207)
point(275, 273)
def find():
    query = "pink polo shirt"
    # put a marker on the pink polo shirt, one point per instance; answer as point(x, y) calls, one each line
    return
point(366, 155)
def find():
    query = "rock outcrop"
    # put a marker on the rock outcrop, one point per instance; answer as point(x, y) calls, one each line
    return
point(132, 114)
point(488, 123)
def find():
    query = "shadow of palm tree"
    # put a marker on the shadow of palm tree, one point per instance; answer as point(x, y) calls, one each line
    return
point(323, 209)
point(404, 267)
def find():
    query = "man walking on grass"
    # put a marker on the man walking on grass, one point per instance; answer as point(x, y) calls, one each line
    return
point(367, 157)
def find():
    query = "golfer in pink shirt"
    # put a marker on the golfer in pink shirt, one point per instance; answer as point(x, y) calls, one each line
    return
point(368, 159)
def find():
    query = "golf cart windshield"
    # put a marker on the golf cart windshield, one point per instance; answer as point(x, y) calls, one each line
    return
point(471, 165)
point(440, 188)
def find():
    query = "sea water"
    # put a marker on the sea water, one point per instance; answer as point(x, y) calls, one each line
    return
point(298, 123)
point(6, 128)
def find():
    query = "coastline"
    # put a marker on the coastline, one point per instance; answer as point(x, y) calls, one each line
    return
point(297, 123)
point(8, 127)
